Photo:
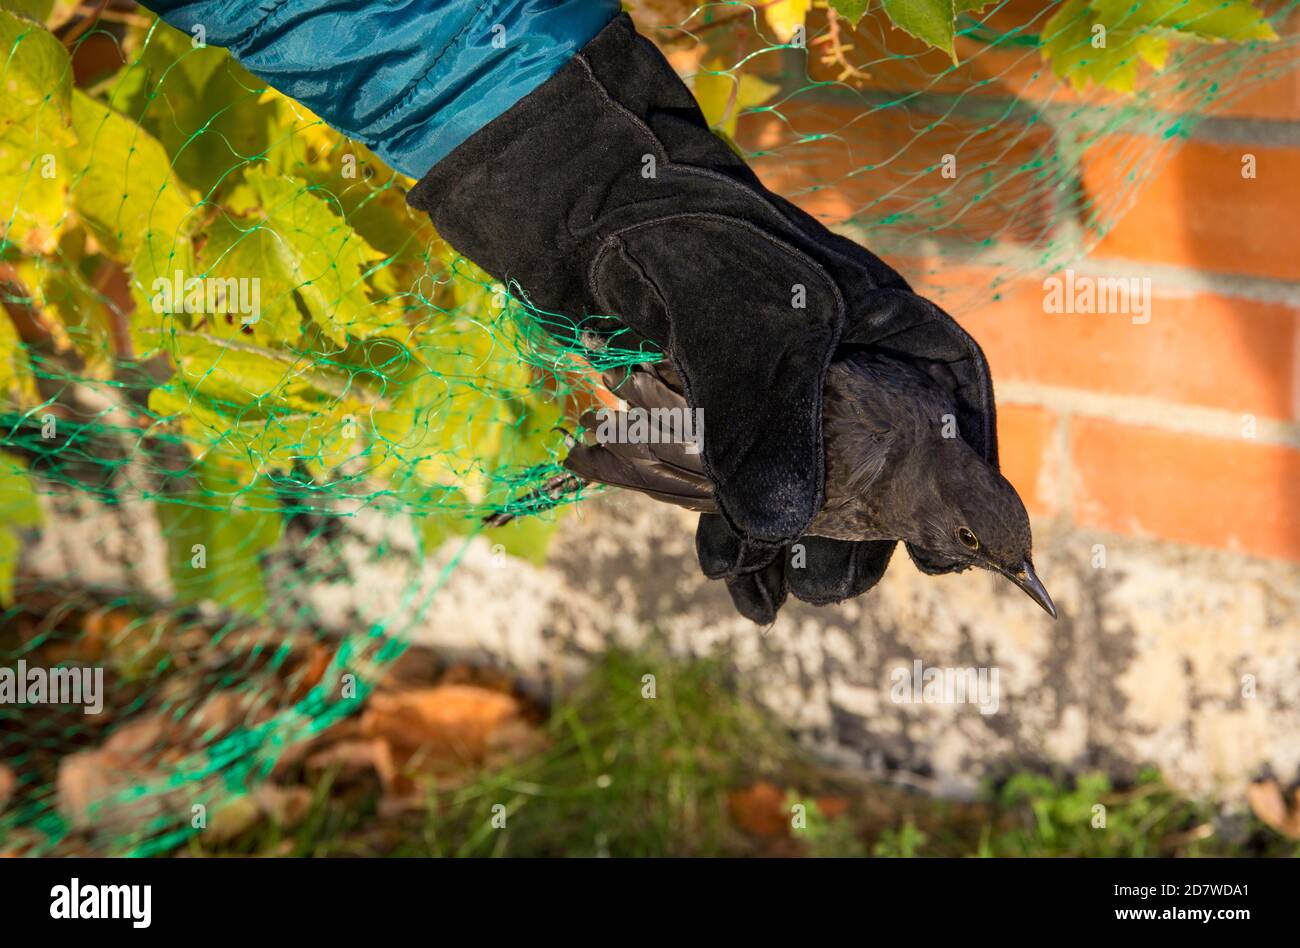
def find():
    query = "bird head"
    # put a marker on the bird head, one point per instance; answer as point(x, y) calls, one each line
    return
point(977, 519)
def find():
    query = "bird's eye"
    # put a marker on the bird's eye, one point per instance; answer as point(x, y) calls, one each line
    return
point(968, 539)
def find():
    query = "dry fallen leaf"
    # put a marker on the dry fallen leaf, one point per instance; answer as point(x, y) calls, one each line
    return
point(443, 731)
point(832, 807)
point(760, 810)
point(458, 724)
point(286, 806)
point(230, 819)
point(312, 671)
point(763, 809)
point(8, 784)
point(96, 787)
point(352, 757)
point(1269, 805)
point(139, 738)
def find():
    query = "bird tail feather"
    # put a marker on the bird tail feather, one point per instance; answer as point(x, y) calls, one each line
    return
point(664, 467)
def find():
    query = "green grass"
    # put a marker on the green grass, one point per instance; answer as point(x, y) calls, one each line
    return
point(627, 775)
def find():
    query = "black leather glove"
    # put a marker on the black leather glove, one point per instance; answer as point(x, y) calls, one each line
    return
point(604, 193)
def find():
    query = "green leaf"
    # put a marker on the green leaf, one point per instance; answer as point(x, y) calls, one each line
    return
point(63, 284)
point(851, 10)
point(928, 20)
point(271, 409)
point(1235, 20)
point(15, 371)
point(307, 259)
point(35, 128)
point(123, 186)
point(206, 110)
point(32, 9)
point(931, 21)
point(53, 13)
point(160, 256)
point(1105, 41)
point(234, 524)
point(244, 381)
point(18, 508)
point(1069, 44)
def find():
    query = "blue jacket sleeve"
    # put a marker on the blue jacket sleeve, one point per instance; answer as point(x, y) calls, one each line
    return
point(411, 79)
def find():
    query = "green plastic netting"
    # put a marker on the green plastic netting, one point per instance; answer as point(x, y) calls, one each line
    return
point(252, 409)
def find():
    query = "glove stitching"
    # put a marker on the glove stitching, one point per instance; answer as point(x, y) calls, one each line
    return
point(985, 390)
point(800, 256)
point(757, 197)
point(751, 195)
point(744, 190)
point(638, 269)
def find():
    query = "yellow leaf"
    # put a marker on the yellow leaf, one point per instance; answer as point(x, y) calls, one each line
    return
point(723, 95)
point(785, 16)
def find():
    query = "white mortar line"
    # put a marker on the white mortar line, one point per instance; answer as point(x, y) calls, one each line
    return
point(1150, 413)
point(1024, 265)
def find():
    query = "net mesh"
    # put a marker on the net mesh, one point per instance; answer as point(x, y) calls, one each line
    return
point(254, 410)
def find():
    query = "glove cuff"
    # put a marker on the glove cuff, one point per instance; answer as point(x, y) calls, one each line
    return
point(603, 193)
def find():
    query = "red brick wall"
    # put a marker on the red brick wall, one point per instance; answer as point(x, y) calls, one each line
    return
point(1183, 429)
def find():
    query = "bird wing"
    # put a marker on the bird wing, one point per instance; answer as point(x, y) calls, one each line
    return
point(666, 469)
point(860, 427)
point(912, 326)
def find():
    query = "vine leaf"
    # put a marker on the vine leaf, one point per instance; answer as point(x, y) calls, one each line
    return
point(1235, 20)
point(723, 97)
point(18, 508)
point(786, 16)
point(307, 259)
point(1104, 41)
point(932, 21)
point(208, 112)
point(122, 181)
point(851, 10)
point(35, 128)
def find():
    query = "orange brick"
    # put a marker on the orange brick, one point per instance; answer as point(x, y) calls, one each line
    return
point(1268, 87)
point(1277, 98)
point(1025, 450)
point(1213, 351)
point(839, 162)
point(1198, 211)
point(1233, 495)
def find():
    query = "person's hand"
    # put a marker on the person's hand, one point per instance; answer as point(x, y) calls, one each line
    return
point(604, 193)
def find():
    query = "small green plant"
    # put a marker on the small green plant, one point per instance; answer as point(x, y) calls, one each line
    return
point(902, 842)
point(825, 837)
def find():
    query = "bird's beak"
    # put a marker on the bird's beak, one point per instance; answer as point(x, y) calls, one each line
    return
point(1028, 580)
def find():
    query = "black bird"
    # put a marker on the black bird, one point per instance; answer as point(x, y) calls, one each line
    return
point(896, 467)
